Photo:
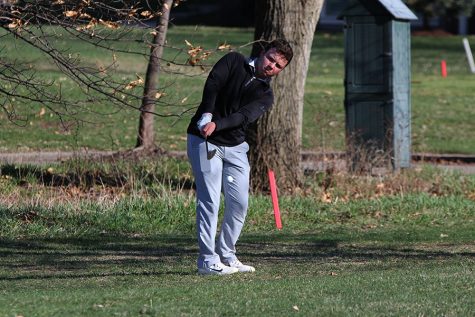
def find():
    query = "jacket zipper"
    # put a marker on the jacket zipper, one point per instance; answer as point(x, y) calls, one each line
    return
point(249, 81)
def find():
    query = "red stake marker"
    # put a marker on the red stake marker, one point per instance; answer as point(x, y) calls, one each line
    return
point(443, 68)
point(275, 201)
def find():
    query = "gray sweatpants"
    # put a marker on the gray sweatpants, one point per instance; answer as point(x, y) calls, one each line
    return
point(227, 172)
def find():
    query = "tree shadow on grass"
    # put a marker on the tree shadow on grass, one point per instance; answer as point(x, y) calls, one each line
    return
point(95, 257)
point(310, 248)
point(111, 256)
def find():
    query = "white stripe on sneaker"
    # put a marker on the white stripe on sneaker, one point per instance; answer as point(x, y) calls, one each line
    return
point(243, 268)
point(217, 269)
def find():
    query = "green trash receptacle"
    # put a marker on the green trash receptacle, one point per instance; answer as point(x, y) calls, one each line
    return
point(377, 81)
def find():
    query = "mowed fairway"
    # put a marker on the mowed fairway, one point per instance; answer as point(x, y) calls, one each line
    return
point(442, 108)
point(320, 274)
point(134, 254)
point(116, 238)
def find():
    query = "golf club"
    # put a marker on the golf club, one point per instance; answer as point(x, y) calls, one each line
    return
point(209, 154)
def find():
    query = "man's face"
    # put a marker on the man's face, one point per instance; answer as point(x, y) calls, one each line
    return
point(270, 63)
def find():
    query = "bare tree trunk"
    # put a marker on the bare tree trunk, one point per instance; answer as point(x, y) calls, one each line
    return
point(276, 139)
point(146, 137)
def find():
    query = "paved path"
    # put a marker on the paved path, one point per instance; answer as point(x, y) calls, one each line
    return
point(310, 160)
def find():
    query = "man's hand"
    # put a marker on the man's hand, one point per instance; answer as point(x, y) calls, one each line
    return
point(208, 129)
point(204, 120)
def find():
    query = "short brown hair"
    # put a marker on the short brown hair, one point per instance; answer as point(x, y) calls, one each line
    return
point(283, 47)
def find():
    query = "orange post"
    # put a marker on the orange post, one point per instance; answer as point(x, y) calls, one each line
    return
point(443, 68)
point(275, 201)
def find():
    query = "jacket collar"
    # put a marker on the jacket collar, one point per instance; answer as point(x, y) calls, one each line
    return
point(252, 63)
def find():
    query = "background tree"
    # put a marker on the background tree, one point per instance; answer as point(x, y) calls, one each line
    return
point(440, 8)
point(145, 138)
point(115, 26)
point(277, 137)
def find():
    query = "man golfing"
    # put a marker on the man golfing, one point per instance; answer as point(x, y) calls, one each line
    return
point(237, 92)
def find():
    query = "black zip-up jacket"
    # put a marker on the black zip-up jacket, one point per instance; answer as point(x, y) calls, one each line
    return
point(235, 98)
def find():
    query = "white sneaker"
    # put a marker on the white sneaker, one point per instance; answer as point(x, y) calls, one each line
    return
point(241, 267)
point(217, 269)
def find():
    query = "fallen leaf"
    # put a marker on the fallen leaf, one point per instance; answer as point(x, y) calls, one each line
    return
point(326, 198)
point(295, 307)
point(132, 12)
point(369, 226)
point(224, 46)
point(134, 83)
point(109, 24)
point(15, 23)
point(146, 13)
point(194, 51)
point(71, 14)
point(158, 95)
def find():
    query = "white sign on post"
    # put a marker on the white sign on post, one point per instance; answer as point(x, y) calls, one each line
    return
point(468, 52)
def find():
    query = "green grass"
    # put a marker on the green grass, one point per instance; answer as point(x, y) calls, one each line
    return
point(117, 238)
point(338, 273)
point(146, 196)
point(441, 108)
point(397, 245)
point(172, 213)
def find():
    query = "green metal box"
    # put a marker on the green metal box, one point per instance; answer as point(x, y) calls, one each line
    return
point(377, 79)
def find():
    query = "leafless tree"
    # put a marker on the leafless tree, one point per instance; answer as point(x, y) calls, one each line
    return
point(116, 26)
